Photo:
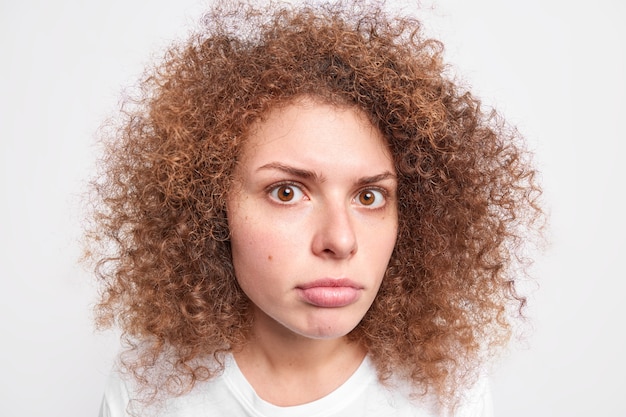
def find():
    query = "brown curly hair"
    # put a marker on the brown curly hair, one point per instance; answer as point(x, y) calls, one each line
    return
point(467, 193)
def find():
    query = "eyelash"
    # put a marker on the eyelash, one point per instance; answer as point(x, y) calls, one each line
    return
point(273, 189)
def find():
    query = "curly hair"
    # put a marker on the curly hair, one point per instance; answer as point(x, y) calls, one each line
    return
point(467, 192)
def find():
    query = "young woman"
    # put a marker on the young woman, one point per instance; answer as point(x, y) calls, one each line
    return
point(301, 215)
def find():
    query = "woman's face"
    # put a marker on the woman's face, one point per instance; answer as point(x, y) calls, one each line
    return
point(313, 218)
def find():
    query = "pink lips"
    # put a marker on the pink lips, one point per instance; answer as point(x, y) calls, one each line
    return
point(330, 293)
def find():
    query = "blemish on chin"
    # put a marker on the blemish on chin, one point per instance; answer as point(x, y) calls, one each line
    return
point(269, 258)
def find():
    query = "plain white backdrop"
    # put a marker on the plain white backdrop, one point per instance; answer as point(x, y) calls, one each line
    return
point(555, 69)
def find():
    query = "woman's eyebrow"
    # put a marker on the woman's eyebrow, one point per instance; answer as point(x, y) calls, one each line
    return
point(312, 175)
point(288, 169)
point(377, 178)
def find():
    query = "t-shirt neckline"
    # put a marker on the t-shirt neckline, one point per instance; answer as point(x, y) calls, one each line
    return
point(335, 401)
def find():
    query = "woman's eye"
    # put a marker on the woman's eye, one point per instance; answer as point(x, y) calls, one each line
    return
point(286, 193)
point(370, 198)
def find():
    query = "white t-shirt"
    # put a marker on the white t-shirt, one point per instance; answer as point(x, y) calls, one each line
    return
point(230, 394)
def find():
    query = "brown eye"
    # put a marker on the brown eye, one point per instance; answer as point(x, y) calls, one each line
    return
point(367, 198)
point(286, 193)
point(371, 198)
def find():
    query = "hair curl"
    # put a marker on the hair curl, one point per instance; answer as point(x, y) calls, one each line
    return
point(466, 191)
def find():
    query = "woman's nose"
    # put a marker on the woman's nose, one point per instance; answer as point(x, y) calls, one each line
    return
point(334, 236)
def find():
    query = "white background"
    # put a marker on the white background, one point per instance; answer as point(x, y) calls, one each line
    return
point(556, 69)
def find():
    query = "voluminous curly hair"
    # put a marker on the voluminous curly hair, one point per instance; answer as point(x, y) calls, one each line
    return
point(466, 192)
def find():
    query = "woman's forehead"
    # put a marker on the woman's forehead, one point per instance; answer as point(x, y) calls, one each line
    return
point(308, 133)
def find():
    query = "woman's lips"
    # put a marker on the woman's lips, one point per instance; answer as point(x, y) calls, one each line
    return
point(330, 293)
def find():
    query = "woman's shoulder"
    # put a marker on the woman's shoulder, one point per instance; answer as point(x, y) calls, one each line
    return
point(397, 397)
point(125, 397)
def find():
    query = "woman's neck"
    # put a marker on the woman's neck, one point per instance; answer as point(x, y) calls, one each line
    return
point(288, 369)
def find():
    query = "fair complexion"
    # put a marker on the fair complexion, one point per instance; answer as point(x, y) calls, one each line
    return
point(313, 222)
